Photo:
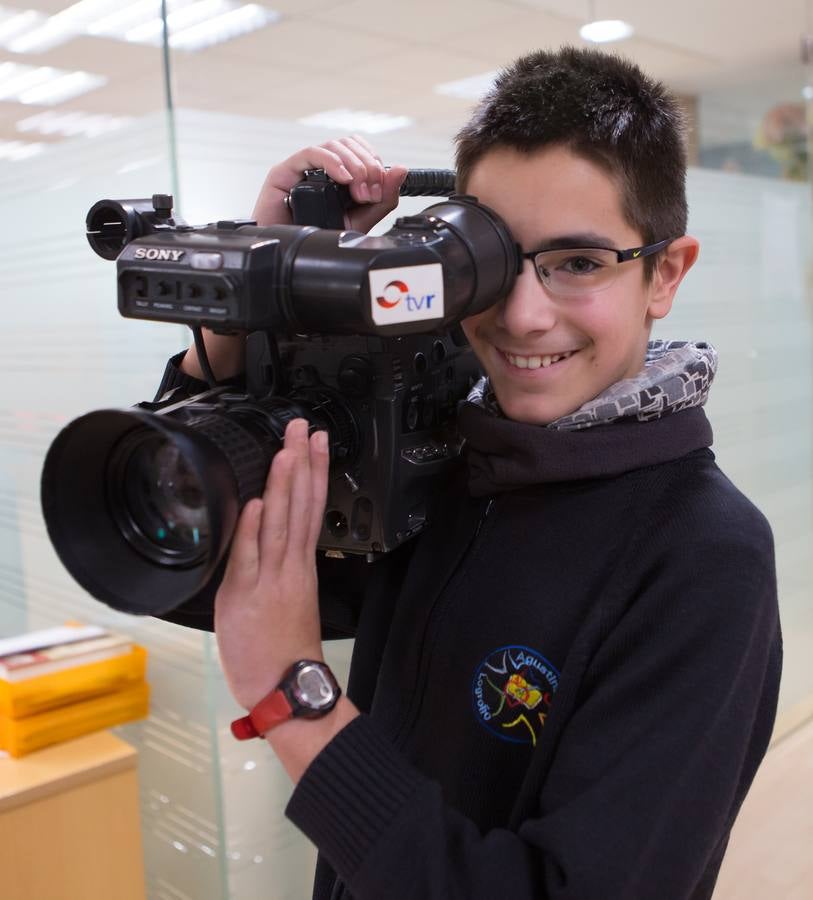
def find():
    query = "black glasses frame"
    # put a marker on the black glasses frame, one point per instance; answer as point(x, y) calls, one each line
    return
point(622, 255)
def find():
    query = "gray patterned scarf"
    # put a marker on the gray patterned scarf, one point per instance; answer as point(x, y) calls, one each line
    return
point(676, 375)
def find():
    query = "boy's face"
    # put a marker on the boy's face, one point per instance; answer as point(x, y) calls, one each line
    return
point(546, 196)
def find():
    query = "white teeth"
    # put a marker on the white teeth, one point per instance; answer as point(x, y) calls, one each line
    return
point(536, 362)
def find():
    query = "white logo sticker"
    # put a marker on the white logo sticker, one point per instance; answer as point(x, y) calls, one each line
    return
point(406, 294)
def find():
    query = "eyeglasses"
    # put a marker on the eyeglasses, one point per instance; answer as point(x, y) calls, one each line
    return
point(584, 270)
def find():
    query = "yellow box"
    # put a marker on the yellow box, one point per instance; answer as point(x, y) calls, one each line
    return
point(21, 736)
point(19, 699)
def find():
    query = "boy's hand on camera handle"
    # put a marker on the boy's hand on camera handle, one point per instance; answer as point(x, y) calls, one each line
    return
point(350, 161)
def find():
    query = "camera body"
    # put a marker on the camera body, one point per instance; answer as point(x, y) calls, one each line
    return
point(357, 334)
point(389, 406)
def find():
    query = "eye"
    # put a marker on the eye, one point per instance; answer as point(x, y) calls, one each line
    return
point(579, 265)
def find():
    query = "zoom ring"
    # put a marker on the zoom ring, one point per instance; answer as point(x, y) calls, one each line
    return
point(245, 456)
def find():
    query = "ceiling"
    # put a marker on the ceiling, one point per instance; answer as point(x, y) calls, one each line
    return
point(387, 56)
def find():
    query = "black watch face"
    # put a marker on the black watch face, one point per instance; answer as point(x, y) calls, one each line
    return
point(313, 687)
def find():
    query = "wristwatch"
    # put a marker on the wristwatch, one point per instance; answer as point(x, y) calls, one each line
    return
point(308, 690)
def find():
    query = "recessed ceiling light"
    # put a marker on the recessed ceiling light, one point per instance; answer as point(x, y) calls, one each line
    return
point(356, 120)
point(471, 88)
point(605, 30)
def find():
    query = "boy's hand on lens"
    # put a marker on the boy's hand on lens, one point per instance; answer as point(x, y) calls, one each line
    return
point(350, 161)
point(266, 609)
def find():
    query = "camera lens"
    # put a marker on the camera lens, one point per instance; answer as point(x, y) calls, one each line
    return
point(157, 500)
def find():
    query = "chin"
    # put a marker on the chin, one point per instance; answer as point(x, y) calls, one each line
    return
point(529, 413)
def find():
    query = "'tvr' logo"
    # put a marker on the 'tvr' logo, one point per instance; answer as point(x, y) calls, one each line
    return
point(396, 291)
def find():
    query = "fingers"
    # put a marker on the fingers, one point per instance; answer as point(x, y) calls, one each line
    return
point(320, 464)
point(299, 511)
point(244, 556)
point(277, 500)
point(351, 161)
point(271, 208)
point(365, 166)
point(295, 495)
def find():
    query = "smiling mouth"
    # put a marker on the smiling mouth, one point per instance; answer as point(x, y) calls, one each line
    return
point(536, 362)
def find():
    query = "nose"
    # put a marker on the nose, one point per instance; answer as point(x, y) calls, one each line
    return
point(529, 307)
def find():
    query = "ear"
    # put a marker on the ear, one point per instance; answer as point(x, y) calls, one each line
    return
point(673, 263)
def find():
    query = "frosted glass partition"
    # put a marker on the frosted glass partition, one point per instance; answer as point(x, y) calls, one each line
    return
point(749, 295)
point(212, 809)
point(64, 350)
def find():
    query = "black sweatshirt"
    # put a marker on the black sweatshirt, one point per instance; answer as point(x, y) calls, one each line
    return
point(567, 681)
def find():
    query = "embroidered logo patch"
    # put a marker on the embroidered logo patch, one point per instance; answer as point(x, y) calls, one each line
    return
point(512, 692)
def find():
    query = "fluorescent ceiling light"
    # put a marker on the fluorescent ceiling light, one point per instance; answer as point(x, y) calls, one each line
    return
point(471, 88)
point(129, 16)
point(72, 123)
point(62, 27)
point(193, 24)
point(356, 120)
point(223, 27)
point(44, 84)
point(16, 150)
point(66, 87)
point(605, 30)
point(14, 79)
point(14, 22)
point(180, 15)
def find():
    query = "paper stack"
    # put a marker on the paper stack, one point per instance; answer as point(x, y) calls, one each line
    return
point(62, 682)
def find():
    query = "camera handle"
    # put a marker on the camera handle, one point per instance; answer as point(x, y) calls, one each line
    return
point(320, 201)
point(317, 201)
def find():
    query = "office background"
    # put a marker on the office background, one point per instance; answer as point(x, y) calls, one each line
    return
point(85, 114)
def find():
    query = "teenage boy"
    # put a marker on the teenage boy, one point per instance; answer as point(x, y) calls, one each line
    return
point(564, 687)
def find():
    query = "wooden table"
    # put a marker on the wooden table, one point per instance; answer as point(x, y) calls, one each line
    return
point(69, 822)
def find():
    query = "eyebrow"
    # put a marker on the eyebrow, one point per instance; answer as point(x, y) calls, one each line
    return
point(575, 241)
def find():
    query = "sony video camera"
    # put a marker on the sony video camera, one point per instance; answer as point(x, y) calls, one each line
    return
point(356, 334)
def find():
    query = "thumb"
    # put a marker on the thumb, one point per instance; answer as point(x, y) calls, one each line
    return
point(244, 556)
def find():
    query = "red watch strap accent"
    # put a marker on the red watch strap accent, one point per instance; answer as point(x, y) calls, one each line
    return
point(270, 711)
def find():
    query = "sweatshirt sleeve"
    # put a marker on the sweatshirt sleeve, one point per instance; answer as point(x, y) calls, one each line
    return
point(670, 722)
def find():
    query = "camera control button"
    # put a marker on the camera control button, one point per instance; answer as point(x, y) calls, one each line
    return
point(207, 261)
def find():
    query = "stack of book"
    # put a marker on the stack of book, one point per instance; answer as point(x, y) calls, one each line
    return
point(63, 682)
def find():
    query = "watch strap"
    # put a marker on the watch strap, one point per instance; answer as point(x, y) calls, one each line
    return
point(273, 709)
point(287, 702)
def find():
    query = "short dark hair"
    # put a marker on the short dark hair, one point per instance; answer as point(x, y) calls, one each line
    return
point(601, 107)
